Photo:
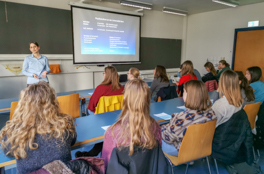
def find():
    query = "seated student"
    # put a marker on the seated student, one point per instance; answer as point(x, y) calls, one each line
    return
point(211, 75)
point(246, 90)
point(133, 73)
point(38, 132)
point(196, 72)
point(160, 80)
point(187, 75)
point(198, 110)
point(231, 99)
point(253, 74)
point(134, 121)
point(109, 87)
point(222, 66)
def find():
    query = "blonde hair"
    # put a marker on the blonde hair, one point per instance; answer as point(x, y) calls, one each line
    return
point(111, 77)
point(197, 96)
point(135, 121)
point(187, 68)
point(135, 72)
point(229, 87)
point(37, 112)
point(211, 68)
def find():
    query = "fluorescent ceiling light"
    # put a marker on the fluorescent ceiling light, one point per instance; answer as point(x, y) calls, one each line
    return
point(174, 11)
point(136, 4)
point(228, 3)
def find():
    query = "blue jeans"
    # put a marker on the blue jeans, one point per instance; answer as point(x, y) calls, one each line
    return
point(90, 112)
point(169, 149)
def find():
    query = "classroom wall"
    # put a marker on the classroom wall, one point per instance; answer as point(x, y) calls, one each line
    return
point(155, 24)
point(210, 35)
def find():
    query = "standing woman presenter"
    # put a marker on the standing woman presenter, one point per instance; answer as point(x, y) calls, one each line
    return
point(36, 66)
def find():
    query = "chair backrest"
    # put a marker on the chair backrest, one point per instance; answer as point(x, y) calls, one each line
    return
point(12, 109)
point(252, 111)
point(122, 77)
point(197, 142)
point(167, 93)
point(69, 104)
point(211, 85)
point(143, 160)
point(109, 103)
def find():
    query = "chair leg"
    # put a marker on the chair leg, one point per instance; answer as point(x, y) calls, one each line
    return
point(208, 164)
point(258, 154)
point(255, 159)
point(187, 168)
point(216, 166)
point(171, 165)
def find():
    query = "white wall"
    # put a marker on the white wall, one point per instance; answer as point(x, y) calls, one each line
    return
point(154, 24)
point(211, 34)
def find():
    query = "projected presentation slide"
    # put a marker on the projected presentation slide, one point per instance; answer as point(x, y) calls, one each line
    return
point(103, 34)
point(107, 36)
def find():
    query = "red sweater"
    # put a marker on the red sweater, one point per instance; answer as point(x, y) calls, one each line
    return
point(185, 79)
point(102, 90)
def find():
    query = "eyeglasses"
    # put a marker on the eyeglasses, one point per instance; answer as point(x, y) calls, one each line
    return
point(103, 73)
point(128, 73)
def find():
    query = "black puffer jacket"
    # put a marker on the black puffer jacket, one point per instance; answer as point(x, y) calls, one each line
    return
point(259, 138)
point(143, 161)
point(233, 140)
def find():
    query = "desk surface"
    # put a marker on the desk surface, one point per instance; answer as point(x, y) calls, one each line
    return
point(90, 133)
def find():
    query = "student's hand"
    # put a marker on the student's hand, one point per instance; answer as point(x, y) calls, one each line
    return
point(35, 76)
point(44, 74)
point(177, 83)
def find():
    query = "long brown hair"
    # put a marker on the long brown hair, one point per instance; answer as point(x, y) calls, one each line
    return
point(245, 85)
point(197, 96)
point(37, 112)
point(135, 72)
point(135, 121)
point(187, 68)
point(161, 73)
point(229, 87)
point(211, 68)
point(111, 78)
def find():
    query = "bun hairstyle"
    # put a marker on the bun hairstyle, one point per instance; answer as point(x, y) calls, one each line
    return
point(135, 72)
point(224, 63)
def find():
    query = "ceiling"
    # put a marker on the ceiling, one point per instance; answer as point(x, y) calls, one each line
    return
point(192, 6)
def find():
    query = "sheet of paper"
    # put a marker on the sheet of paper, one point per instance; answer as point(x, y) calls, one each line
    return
point(105, 127)
point(182, 107)
point(90, 93)
point(163, 116)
